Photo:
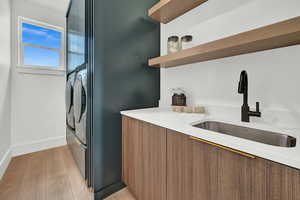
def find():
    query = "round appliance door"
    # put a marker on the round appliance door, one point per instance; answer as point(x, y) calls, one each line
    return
point(79, 99)
point(69, 96)
point(69, 101)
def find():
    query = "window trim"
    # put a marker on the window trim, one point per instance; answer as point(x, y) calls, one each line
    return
point(21, 46)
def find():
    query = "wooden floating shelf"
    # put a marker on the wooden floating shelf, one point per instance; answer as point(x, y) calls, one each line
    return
point(282, 34)
point(167, 10)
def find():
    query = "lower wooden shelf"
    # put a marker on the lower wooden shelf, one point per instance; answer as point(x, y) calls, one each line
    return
point(281, 34)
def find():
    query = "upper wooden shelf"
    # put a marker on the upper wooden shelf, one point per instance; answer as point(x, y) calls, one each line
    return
point(167, 10)
point(282, 34)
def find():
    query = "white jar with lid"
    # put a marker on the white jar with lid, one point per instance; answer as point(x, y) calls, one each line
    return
point(173, 44)
point(187, 42)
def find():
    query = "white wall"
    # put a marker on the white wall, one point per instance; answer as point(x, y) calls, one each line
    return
point(5, 138)
point(273, 75)
point(38, 110)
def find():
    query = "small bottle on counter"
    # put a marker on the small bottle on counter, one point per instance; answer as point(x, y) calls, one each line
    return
point(173, 44)
point(187, 42)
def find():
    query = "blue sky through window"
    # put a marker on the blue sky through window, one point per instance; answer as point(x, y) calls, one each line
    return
point(37, 35)
point(41, 57)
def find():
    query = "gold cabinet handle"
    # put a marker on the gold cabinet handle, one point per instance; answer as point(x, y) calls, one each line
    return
point(223, 147)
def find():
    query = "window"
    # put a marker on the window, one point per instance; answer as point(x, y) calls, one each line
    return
point(41, 46)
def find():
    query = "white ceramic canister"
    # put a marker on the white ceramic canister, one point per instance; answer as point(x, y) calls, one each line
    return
point(187, 42)
point(173, 44)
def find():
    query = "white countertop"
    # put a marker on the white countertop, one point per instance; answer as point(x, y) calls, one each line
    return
point(182, 122)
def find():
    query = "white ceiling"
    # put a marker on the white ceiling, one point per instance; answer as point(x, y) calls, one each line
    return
point(59, 5)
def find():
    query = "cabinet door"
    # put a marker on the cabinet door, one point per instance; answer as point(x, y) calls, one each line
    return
point(132, 156)
point(154, 162)
point(205, 171)
point(259, 179)
point(179, 166)
point(219, 174)
point(192, 169)
point(144, 159)
point(283, 182)
point(234, 176)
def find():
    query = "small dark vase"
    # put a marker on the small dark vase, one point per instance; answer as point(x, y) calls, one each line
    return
point(178, 99)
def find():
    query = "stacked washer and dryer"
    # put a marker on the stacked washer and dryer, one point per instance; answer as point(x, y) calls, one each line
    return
point(76, 108)
point(108, 46)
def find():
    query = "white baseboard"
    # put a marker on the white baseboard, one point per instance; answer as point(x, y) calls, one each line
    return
point(21, 149)
point(4, 162)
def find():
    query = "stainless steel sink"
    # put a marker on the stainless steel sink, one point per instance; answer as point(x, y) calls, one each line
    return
point(266, 137)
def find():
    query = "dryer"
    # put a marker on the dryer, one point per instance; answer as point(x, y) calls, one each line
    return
point(117, 79)
point(77, 140)
point(80, 106)
point(69, 101)
point(78, 149)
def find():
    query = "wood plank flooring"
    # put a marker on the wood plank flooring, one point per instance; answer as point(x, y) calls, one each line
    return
point(47, 175)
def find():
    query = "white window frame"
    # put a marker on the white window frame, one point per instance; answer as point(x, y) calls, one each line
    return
point(34, 68)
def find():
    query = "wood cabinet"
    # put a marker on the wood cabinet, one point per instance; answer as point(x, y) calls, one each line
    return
point(132, 156)
point(179, 162)
point(160, 164)
point(204, 171)
point(144, 159)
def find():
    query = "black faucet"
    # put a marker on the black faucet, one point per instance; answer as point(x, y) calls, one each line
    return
point(243, 89)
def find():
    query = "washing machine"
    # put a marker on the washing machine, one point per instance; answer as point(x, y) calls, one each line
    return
point(77, 148)
point(69, 101)
point(80, 105)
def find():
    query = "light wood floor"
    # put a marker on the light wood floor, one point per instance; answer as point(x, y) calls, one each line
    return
point(47, 175)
